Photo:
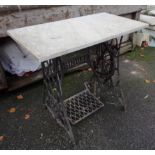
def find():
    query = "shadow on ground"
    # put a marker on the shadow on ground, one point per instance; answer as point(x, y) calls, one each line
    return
point(108, 128)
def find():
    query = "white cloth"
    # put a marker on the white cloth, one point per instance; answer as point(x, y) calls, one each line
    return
point(16, 60)
point(152, 12)
point(147, 19)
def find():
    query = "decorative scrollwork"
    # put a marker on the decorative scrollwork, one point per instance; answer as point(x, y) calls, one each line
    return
point(53, 98)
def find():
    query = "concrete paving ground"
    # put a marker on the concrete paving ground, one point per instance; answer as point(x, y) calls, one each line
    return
point(108, 128)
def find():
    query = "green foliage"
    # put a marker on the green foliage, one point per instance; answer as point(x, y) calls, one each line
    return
point(73, 83)
point(146, 55)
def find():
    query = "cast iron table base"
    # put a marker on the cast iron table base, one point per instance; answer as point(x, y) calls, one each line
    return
point(104, 62)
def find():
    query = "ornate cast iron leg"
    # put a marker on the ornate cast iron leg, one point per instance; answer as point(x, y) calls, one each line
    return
point(53, 98)
point(105, 65)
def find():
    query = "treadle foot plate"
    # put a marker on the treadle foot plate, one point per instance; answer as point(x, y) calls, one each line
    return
point(81, 105)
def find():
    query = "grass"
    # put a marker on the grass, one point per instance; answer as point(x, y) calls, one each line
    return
point(148, 54)
point(73, 83)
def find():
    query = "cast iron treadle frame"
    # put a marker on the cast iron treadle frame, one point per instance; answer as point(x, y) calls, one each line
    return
point(104, 61)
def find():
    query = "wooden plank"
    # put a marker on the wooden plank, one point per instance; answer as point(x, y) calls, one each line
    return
point(3, 83)
point(15, 82)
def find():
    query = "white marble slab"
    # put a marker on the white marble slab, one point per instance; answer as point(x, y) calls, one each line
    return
point(147, 19)
point(152, 12)
point(54, 39)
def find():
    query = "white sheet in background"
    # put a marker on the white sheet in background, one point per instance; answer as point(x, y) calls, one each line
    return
point(151, 33)
point(152, 12)
point(147, 19)
point(16, 60)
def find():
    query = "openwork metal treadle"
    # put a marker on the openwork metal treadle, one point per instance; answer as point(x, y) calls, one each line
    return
point(81, 105)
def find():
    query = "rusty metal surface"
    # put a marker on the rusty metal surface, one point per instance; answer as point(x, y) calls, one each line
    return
point(20, 16)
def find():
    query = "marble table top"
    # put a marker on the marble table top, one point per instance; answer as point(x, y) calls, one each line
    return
point(54, 39)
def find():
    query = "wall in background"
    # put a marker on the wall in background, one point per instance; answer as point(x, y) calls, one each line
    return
point(19, 16)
